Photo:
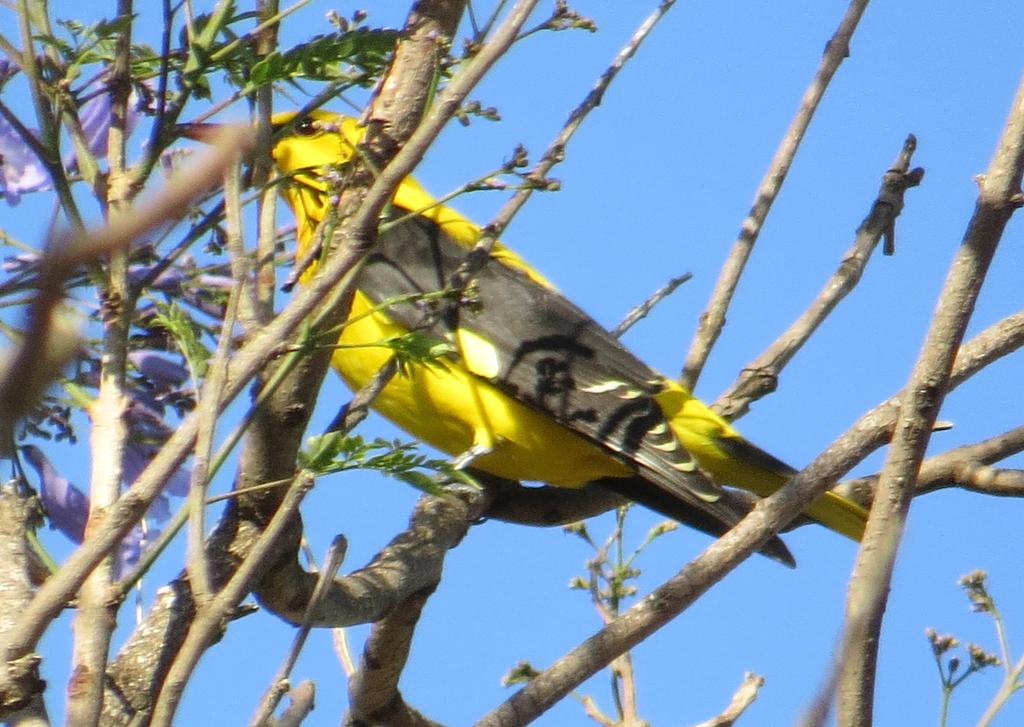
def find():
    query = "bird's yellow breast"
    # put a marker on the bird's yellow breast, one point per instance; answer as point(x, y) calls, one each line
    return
point(525, 445)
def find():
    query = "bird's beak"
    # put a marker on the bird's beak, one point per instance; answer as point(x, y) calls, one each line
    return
point(206, 133)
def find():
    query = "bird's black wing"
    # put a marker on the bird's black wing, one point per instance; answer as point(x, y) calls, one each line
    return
point(553, 357)
point(543, 350)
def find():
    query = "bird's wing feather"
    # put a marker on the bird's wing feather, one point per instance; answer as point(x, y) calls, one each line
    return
point(538, 347)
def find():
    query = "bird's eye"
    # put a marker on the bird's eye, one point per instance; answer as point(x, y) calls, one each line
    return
point(306, 127)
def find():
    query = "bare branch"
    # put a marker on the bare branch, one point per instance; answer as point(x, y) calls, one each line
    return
point(555, 153)
point(279, 686)
point(741, 700)
point(134, 677)
point(373, 690)
point(127, 511)
point(31, 715)
point(625, 689)
point(967, 467)
point(760, 377)
point(642, 310)
point(875, 427)
point(17, 514)
point(262, 171)
point(670, 599)
point(409, 564)
point(239, 259)
point(923, 397)
point(302, 704)
point(545, 506)
point(594, 712)
point(95, 616)
point(712, 320)
point(202, 468)
point(211, 617)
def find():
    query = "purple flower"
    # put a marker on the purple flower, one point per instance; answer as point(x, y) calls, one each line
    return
point(146, 423)
point(161, 372)
point(95, 118)
point(169, 281)
point(20, 168)
point(136, 458)
point(67, 506)
point(215, 282)
point(21, 263)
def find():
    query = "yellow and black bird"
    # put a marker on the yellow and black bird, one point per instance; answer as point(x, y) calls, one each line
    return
point(533, 387)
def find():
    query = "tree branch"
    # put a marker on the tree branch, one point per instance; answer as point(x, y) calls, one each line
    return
point(512, 502)
point(302, 704)
point(54, 594)
point(212, 616)
point(999, 196)
point(278, 688)
point(741, 700)
point(373, 689)
point(768, 517)
point(712, 320)
point(966, 467)
point(22, 700)
point(875, 427)
point(761, 376)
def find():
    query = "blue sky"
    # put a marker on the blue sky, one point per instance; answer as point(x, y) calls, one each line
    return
point(656, 185)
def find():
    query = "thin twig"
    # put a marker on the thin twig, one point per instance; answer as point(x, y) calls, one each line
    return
point(262, 170)
point(210, 619)
point(241, 266)
point(875, 427)
point(48, 152)
point(302, 704)
point(712, 320)
point(17, 515)
point(280, 684)
point(206, 411)
point(126, 512)
point(555, 153)
point(741, 700)
point(95, 616)
point(761, 376)
point(999, 196)
point(642, 310)
point(967, 467)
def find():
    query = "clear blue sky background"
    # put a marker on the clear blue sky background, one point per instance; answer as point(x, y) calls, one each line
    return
point(655, 185)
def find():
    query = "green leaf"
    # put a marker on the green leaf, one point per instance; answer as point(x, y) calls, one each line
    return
point(421, 481)
point(338, 452)
point(419, 348)
point(357, 56)
point(185, 333)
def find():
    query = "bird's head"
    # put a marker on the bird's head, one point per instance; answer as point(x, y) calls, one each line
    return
point(314, 141)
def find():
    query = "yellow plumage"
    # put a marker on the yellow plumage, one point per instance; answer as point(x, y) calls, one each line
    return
point(567, 408)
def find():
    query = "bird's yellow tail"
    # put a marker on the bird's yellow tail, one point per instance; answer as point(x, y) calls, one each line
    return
point(732, 460)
